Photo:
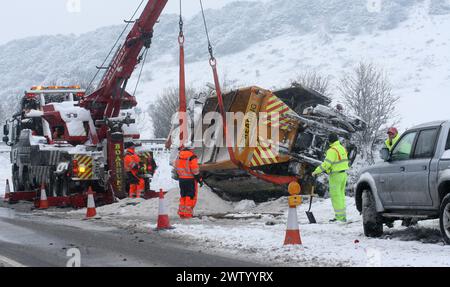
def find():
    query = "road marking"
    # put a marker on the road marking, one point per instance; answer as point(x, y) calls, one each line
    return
point(10, 262)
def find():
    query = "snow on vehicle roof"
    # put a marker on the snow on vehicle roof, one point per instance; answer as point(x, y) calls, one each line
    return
point(74, 117)
point(55, 91)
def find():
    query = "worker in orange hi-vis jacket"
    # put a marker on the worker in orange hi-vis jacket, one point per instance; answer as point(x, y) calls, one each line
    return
point(132, 165)
point(189, 178)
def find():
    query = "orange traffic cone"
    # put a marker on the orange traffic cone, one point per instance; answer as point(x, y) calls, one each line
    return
point(43, 203)
point(293, 230)
point(163, 217)
point(91, 211)
point(7, 191)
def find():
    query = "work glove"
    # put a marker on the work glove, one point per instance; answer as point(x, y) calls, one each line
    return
point(199, 180)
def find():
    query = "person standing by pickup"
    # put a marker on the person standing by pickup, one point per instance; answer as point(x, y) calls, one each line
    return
point(336, 165)
point(392, 139)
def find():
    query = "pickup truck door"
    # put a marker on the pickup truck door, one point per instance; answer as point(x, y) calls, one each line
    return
point(393, 181)
point(418, 169)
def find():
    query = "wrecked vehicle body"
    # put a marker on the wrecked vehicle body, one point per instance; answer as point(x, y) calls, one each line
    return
point(303, 120)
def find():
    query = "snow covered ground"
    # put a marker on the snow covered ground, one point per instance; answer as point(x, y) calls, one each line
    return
point(248, 230)
point(257, 232)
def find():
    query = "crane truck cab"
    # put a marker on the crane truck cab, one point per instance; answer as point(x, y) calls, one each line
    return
point(54, 142)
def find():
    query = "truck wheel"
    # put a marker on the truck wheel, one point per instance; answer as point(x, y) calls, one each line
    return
point(372, 220)
point(444, 219)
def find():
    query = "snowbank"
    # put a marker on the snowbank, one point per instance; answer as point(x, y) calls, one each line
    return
point(258, 231)
point(323, 244)
point(208, 203)
point(163, 177)
point(5, 172)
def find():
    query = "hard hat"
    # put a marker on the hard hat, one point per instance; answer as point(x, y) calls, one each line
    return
point(333, 138)
point(340, 107)
point(129, 145)
point(393, 131)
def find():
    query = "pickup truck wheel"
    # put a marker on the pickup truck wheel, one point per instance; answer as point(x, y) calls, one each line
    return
point(444, 219)
point(372, 220)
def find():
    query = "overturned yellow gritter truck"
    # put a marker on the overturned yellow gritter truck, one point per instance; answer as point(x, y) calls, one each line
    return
point(275, 134)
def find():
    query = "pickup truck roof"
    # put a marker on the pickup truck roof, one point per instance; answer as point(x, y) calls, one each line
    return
point(429, 125)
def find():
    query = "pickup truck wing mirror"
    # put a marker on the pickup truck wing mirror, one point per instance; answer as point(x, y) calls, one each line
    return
point(385, 154)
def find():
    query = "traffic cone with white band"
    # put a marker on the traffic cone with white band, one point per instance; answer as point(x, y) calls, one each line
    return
point(293, 229)
point(7, 191)
point(163, 217)
point(43, 203)
point(91, 211)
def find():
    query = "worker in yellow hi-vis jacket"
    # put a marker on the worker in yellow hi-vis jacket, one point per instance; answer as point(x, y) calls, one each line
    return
point(336, 165)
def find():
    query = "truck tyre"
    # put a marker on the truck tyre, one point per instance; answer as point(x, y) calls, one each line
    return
point(372, 220)
point(444, 219)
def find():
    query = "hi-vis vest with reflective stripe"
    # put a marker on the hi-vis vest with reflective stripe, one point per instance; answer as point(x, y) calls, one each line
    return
point(131, 159)
point(187, 165)
point(336, 159)
point(390, 145)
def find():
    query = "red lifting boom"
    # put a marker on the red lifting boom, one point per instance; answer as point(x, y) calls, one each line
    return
point(107, 100)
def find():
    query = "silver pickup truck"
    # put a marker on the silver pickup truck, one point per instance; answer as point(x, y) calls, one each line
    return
point(413, 182)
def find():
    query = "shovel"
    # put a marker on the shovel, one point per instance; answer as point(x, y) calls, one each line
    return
point(309, 214)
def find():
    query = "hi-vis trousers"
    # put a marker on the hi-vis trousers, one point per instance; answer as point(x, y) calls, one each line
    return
point(338, 183)
point(188, 197)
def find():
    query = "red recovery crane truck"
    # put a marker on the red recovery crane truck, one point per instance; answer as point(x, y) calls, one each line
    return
point(106, 103)
point(78, 141)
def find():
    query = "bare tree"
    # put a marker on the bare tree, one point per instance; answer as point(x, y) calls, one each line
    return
point(368, 94)
point(314, 81)
point(165, 107)
point(142, 119)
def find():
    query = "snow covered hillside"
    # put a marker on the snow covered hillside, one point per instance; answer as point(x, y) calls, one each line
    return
point(265, 43)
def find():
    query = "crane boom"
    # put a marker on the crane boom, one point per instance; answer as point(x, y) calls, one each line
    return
point(107, 101)
point(110, 96)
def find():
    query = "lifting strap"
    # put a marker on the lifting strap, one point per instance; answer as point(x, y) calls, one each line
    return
point(182, 86)
point(279, 180)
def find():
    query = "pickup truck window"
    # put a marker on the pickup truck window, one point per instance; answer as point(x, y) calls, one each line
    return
point(425, 144)
point(447, 145)
point(403, 149)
